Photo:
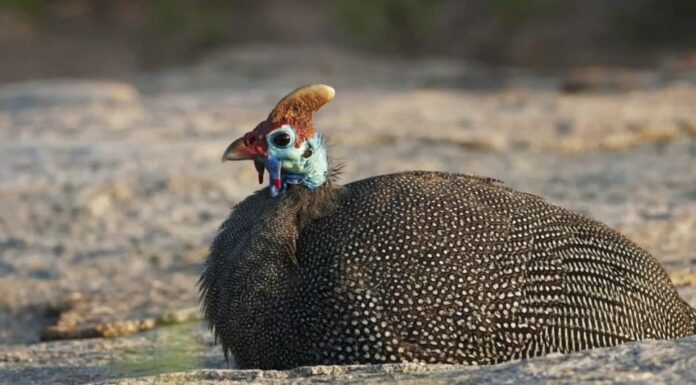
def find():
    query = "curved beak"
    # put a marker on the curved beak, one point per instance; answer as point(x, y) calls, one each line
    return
point(239, 150)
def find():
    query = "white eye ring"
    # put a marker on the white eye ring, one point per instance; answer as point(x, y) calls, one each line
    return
point(282, 138)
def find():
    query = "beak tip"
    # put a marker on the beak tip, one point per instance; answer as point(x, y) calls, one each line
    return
point(237, 151)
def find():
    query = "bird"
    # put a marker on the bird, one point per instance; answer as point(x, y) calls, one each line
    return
point(414, 266)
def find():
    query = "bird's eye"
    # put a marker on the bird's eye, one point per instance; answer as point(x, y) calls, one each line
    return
point(281, 139)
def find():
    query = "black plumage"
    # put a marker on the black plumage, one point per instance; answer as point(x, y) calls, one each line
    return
point(429, 267)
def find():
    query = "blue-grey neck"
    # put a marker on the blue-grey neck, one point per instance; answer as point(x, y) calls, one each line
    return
point(308, 167)
point(317, 166)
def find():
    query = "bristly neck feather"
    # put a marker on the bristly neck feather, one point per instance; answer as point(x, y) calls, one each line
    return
point(317, 167)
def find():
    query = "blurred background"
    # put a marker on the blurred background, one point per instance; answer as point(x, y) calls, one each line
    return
point(114, 115)
point(113, 37)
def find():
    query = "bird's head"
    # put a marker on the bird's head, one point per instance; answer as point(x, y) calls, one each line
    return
point(286, 143)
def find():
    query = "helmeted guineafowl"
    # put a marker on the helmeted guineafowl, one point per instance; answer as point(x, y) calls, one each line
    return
point(416, 266)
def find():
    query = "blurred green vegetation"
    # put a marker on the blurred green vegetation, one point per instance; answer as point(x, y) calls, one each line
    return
point(657, 22)
point(170, 29)
point(33, 9)
point(518, 12)
point(203, 23)
point(396, 25)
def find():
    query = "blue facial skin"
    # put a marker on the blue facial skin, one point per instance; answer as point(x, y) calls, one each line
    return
point(306, 165)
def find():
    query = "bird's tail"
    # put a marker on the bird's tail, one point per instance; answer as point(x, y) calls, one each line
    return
point(692, 315)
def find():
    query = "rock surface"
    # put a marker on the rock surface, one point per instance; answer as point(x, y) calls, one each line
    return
point(110, 193)
point(660, 362)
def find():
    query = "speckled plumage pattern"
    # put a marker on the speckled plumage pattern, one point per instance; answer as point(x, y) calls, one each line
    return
point(430, 267)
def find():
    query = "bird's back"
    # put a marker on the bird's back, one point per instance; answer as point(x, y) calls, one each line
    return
point(426, 266)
